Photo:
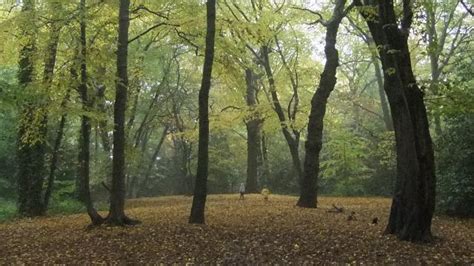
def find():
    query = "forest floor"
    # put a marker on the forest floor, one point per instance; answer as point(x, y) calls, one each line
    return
point(249, 231)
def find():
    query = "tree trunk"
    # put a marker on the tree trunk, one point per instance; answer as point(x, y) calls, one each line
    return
point(383, 100)
point(292, 141)
point(84, 194)
point(55, 154)
point(117, 196)
point(153, 160)
point(200, 188)
point(32, 122)
point(49, 65)
point(313, 145)
point(414, 197)
point(103, 131)
point(253, 134)
point(264, 161)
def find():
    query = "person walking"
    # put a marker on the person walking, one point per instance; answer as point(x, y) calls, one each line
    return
point(242, 191)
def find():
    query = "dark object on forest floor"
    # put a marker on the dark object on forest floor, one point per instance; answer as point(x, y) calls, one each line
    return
point(336, 209)
point(352, 216)
point(375, 221)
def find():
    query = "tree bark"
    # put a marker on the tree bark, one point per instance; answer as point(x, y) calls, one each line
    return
point(200, 188)
point(414, 197)
point(313, 145)
point(253, 134)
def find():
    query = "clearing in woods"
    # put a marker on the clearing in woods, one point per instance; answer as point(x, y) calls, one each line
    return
point(243, 232)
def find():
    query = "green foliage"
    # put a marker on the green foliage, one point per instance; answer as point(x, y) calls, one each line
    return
point(66, 206)
point(7, 210)
point(358, 155)
point(343, 167)
point(455, 164)
point(7, 150)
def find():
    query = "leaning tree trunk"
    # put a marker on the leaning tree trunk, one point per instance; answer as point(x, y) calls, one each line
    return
point(414, 197)
point(49, 65)
point(291, 140)
point(117, 196)
point(152, 162)
point(253, 134)
point(313, 145)
point(32, 125)
point(55, 154)
point(200, 188)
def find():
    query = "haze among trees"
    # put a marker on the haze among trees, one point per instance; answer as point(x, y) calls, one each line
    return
point(128, 112)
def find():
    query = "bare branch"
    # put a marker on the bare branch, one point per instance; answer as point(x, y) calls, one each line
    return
point(468, 9)
point(148, 30)
point(320, 17)
point(142, 7)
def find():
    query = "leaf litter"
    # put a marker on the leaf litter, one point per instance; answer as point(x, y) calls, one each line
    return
point(250, 231)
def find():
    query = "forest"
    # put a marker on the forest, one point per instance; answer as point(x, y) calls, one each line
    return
point(237, 132)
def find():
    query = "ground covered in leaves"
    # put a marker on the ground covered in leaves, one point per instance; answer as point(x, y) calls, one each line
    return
point(237, 232)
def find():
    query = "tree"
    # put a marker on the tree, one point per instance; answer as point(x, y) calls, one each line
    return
point(200, 187)
point(253, 125)
point(443, 29)
point(117, 194)
point(32, 125)
point(378, 73)
point(327, 83)
point(83, 189)
point(261, 39)
point(414, 197)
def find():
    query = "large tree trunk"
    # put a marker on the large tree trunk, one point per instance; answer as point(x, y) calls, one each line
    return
point(414, 197)
point(253, 134)
point(117, 196)
point(313, 145)
point(200, 188)
point(31, 171)
point(32, 125)
point(84, 194)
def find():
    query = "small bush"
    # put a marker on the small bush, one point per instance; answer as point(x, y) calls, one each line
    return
point(7, 210)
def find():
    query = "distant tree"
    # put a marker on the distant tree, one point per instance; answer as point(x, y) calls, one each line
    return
point(253, 124)
point(200, 187)
point(446, 32)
